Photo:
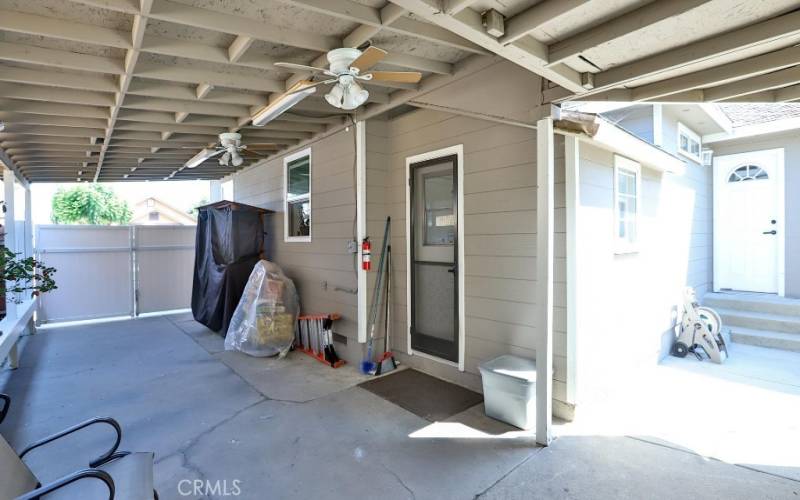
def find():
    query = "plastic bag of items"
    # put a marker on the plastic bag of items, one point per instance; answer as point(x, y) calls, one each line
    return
point(264, 322)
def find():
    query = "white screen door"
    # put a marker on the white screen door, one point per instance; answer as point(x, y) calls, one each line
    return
point(748, 221)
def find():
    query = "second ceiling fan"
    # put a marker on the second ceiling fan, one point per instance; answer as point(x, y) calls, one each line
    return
point(346, 67)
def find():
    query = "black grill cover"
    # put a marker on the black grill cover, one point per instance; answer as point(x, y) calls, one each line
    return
point(229, 241)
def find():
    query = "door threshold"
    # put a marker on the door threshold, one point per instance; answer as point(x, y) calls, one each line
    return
point(433, 358)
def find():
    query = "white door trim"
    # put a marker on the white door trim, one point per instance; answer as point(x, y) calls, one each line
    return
point(780, 226)
point(457, 150)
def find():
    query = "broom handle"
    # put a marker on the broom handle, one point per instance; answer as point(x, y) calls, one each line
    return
point(376, 292)
point(388, 317)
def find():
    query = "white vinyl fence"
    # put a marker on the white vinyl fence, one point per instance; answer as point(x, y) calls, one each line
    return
point(106, 271)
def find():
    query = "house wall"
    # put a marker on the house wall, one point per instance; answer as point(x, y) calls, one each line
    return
point(629, 301)
point(790, 142)
point(500, 240)
point(637, 120)
point(326, 258)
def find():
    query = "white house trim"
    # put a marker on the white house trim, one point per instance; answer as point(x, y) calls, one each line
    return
point(545, 216)
point(572, 180)
point(612, 138)
point(361, 224)
point(773, 127)
point(286, 160)
point(457, 150)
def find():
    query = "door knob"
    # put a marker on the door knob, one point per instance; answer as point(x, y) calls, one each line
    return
point(770, 232)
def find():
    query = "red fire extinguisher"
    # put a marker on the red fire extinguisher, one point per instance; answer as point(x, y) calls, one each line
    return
point(366, 254)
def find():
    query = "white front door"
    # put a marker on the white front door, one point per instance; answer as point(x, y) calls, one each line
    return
point(748, 221)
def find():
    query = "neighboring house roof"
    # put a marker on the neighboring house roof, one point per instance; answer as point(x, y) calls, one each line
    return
point(742, 114)
point(165, 213)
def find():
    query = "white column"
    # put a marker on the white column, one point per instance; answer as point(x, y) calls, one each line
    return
point(10, 229)
point(545, 170)
point(361, 224)
point(572, 180)
point(28, 222)
point(216, 191)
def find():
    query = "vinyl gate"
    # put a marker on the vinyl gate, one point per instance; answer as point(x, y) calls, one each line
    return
point(107, 271)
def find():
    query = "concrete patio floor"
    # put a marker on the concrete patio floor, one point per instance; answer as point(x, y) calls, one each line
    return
point(294, 428)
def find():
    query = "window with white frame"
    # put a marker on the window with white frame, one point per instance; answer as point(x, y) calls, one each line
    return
point(689, 144)
point(627, 188)
point(297, 196)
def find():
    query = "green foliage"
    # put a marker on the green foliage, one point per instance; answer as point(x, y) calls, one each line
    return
point(193, 210)
point(19, 275)
point(94, 204)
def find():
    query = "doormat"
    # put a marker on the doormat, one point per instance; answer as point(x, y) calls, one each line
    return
point(425, 396)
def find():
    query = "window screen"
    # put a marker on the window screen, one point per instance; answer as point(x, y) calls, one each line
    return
point(297, 170)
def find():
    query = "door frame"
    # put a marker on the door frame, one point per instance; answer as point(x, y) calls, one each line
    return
point(781, 225)
point(458, 152)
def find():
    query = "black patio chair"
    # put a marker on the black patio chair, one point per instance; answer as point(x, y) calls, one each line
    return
point(126, 475)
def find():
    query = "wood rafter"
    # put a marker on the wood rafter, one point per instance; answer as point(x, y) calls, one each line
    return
point(92, 96)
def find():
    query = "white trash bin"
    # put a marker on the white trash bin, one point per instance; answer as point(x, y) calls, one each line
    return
point(509, 390)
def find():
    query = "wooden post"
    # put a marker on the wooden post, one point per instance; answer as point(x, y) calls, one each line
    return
point(545, 170)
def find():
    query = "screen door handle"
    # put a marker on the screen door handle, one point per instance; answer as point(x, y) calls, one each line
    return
point(452, 270)
point(770, 232)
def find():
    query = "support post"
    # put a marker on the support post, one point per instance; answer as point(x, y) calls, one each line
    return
point(215, 187)
point(572, 180)
point(10, 237)
point(545, 170)
point(361, 224)
point(28, 222)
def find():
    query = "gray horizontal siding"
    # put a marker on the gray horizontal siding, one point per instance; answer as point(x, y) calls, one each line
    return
point(500, 238)
point(325, 258)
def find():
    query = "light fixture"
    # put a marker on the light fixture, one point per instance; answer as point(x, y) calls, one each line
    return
point(347, 94)
point(200, 157)
point(294, 95)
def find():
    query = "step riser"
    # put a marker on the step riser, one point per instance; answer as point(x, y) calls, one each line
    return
point(753, 306)
point(775, 325)
point(783, 344)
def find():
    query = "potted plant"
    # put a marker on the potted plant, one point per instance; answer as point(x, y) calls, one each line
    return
point(19, 275)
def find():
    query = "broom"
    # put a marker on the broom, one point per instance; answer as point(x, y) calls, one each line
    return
point(367, 365)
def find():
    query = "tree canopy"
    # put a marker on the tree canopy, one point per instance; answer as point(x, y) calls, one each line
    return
point(93, 204)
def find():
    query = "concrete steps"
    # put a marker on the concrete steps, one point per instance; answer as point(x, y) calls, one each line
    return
point(755, 302)
point(762, 338)
point(758, 319)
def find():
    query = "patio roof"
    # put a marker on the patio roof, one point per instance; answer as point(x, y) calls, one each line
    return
point(130, 89)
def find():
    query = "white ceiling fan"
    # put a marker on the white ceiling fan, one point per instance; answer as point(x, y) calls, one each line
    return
point(231, 149)
point(347, 67)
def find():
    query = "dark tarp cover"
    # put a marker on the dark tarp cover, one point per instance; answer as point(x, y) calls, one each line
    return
point(229, 242)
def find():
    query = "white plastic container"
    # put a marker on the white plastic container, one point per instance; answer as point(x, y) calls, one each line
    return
point(509, 390)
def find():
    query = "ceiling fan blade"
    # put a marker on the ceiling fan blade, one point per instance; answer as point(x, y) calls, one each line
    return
point(368, 59)
point(396, 76)
point(300, 67)
point(306, 85)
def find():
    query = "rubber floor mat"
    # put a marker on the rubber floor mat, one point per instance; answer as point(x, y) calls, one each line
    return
point(425, 396)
